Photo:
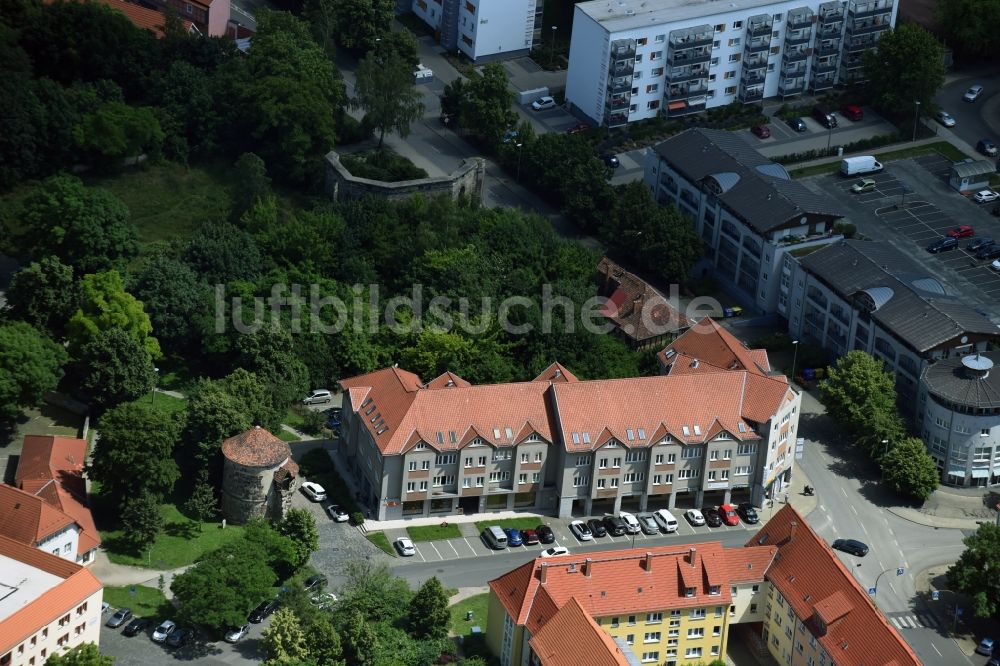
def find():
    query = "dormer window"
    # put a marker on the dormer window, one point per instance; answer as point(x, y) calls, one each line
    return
point(688, 591)
point(714, 589)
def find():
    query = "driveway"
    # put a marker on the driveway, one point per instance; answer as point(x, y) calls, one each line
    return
point(973, 120)
point(142, 651)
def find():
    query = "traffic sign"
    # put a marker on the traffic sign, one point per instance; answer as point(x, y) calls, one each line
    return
point(871, 590)
point(899, 571)
point(935, 595)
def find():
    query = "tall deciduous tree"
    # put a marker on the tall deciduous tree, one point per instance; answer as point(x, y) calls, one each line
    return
point(30, 366)
point(359, 23)
point(360, 640)
point(971, 25)
point(221, 252)
point(300, 528)
point(270, 354)
point(857, 387)
point(323, 642)
point(251, 183)
point(113, 368)
point(44, 295)
point(485, 107)
point(907, 67)
point(87, 654)
point(975, 573)
point(141, 520)
point(910, 470)
point(173, 296)
point(117, 131)
point(428, 612)
point(373, 592)
point(384, 89)
point(104, 304)
point(202, 504)
point(284, 639)
point(134, 454)
point(88, 228)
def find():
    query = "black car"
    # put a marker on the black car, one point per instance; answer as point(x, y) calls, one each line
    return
point(611, 160)
point(265, 608)
point(977, 244)
point(712, 517)
point(545, 534)
point(614, 525)
point(314, 581)
point(180, 637)
point(852, 546)
point(121, 616)
point(797, 124)
point(135, 627)
point(597, 527)
point(942, 245)
point(988, 252)
point(748, 513)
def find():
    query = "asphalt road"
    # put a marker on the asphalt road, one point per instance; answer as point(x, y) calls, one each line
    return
point(971, 118)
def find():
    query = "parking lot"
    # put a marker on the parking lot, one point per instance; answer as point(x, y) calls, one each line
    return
point(472, 545)
point(912, 206)
point(142, 651)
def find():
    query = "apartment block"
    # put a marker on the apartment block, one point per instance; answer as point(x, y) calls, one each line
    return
point(785, 590)
point(47, 605)
point(484, 30)
point(560, 445)
point(635, 59)
point(747, 210)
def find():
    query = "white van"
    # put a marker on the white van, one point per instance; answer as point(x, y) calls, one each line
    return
point(856, 166)
point(495, 537)
point(631, 522)
point(665, 520)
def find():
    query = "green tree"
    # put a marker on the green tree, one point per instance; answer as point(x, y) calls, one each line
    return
point(220, 252)
point(323, 642)
point(975, 571)
point(278, 551)
point(30, 366)
point(87, 654)
point(43, 294)
point(117, 131)
point(384, 89)
point(135, 452)
point(910, 470)
point(141, 520)
point(857, 387)
point(976, 37)
point(87, 228)
point(373, 592)
point(202, 504)
point(113, 368)
point(284, 639)
point(486, 107)
point(173, 296)
point(360, 640)
point(428, 612)
point(104, 304)
point(251, 183)
point(907, 67)
point(270, 354)
point(359, 23)
point(300, 528)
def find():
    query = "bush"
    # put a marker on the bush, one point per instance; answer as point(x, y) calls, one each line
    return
point(774, 342)
point(385, 166)
point(350, 130)
point(357, 518)
point(846, 229)
point(876, 141)
point(313, 422)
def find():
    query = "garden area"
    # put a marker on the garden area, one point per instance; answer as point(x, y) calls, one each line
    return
point(383, 165)
point(434, 532)
point(527, 523)
point(143, 601)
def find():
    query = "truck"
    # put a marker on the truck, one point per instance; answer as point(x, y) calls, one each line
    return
point(855, 166)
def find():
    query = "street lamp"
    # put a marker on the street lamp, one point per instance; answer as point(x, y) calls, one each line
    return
point(156, 377)
point(795, 357)
point(874, 590)
point(916, 116)
point(519, 146)
point(885, 452)
point(552, 47)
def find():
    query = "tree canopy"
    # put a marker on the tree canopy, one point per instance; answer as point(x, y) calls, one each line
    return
point(384, 89)
point(104, 304)
point(974, 573)
point(114, 367)
point(971, 25)
point(428, 613)
point(43, 294)
point(910, 470)
point(87, 654)
point(30, 366)
point(907, 67)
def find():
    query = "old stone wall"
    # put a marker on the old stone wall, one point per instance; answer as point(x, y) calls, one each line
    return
point(467, 180)
point(245, 491)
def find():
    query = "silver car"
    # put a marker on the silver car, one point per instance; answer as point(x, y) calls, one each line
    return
point(166, 628)
point(973, 93)
point(945, 118)
point(581, 531)
point(405, 547)
point(236, 633)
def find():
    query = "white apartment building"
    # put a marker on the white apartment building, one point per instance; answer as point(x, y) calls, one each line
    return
point(634, 59)
point(483, 29)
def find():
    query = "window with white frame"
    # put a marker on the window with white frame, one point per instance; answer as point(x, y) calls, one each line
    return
point(496, 477)
point(743, 470)
point(522, 479)
point(635, 456)
point(657, 479)
point(696, 632)
point(727, 454)
point(600, 483)
point(617, 462)
point(412, 466)
point(423, 485)
point(425, 464)
point(524, 457)
point(731, 90)
point(668, 479)
point(697, 614)
point(582, 461)
point(746, 449)
point(444, 480)
point(581, 481)
point(538, 456)
point(654, 618)
point(482, 461)
point(688, 453)
point(614, 482)
point(466, 482)
point(658, 460)
point(411, 486)
point(650, 657)
point(688, 474)
point(652, 637)
point(480, 481)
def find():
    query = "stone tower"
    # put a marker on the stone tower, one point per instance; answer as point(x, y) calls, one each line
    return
point(259, 476)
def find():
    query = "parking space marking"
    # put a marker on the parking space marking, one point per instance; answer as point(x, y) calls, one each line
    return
point(435, 549)
point(453, 548)
point(470, 547)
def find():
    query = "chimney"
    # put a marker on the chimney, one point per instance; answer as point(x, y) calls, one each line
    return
point(649, 561)
point(587, 566)
point(791, 530)
point(542, 571)
point(691, 553)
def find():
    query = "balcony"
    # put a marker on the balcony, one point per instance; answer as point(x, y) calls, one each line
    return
point(759, 26)
point(795, 55)
point(787, 91)
point(687, 75)
point(752, 95)
point(624, 69)
point(620, 85)
point(618, 102)
point(683, 92)
point(800, 37)
point(823, 66)
point(618, 119)
point(867, 28)
point(752, 78)
point(798, 21)
point(623, 53)
point(793, 70)
point(827, 49)
point(827, 30)
point(689, 57)
point(686, 110)
point(702, 35)
point(757, 45)
point(872, 12)
point(831, 11)
point(822, 83)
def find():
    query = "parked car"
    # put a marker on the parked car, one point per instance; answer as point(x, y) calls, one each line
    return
point(985, 647)
point(323, 601)
point(712, 516)
point(977, 244)
point(852, 546)
point(530, 537)
point(514, 537)
point(986, 196)
point(666, 520)
point(864, 185)
point(824, 116)
point(996, 265)
point(576, 129)
point(121, 616)
point(611, 160)
point(180, 637)
point(555, 551)
point(694, 516)
point(748, 513)
point(543, 103)
point(318, 397)
point(597, 528)
point(314, 581)
point(649, 525)
point(761, 131)
point(852, 112)
point(313, 491)
point(988, 253)
point(545, 534)
point(987, 147)
point(265, 608)
point(797, 124)
point(581, 531)
point(942, 245)
point(337, 512)
point(631, 522)
point(944, 118)
point(166, 628)
point(135, 627)
point(234, 634)
point(614, 525)
point(973, 93)
point(961, 231)
point(728, 513)
point(405, 547)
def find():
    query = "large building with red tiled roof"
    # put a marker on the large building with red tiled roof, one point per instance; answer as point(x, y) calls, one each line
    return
point(30, 520)
point(815, 611)
point(559, 444)
point(51, 468)
point(47, 605)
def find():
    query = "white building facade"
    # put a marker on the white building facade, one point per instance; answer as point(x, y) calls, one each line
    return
point(635, 59)
point(483, 29)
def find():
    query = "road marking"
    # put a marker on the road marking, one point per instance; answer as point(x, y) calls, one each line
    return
point(936, 650)
point(892, 588)
point(854, 510)
point(453, 547)
point(881, 565)
point(865, 529)
point(422, 558)
point(822, 508)
point(845, 492)
point(435, 549)
point(474, 554)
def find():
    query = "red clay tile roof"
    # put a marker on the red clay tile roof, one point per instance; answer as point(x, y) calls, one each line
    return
point(447, 380)
point(825, 596)
point(78, 584)
point(256, 448)
point(29, 519)
point(141, 17)
point(637, 309)
point(556, 372)
point(52, 468)
point(714, 348)
point(572, 638)
point(749, 565)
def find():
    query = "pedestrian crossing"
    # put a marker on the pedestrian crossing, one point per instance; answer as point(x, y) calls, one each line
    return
point(923, 620)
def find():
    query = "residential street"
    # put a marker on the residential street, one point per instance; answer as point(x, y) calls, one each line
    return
point(975, 120)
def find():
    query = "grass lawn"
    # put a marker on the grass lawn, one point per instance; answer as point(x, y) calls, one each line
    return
point(179, 544)
point(293, 417)
point(165, 403)
point(434, 532)
point(941, 147)
point(515, 523)
point(286, 436)
point(478, 604)
point(382, 541)
point(147, 601)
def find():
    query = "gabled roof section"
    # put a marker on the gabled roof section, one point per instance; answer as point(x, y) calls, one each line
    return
point(825, 596)
point(714, 348)
point(763, 195)
point(556, 373)
point(638, 310)
point(29, 519)
point(572, 638)
point(447, 380)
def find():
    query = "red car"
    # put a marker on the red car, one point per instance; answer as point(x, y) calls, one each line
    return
point(762, 131)
point(962, 231)
point(853, 112)
point(530, 537)
point(728, 513)
point(579, 127)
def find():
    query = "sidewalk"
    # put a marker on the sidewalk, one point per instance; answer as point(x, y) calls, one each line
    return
point(120, 575)
point(951, 508)
point(967, 627)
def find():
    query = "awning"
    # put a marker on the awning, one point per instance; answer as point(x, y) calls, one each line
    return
point(956, 471)
point(674, 106)
point(980, 473)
